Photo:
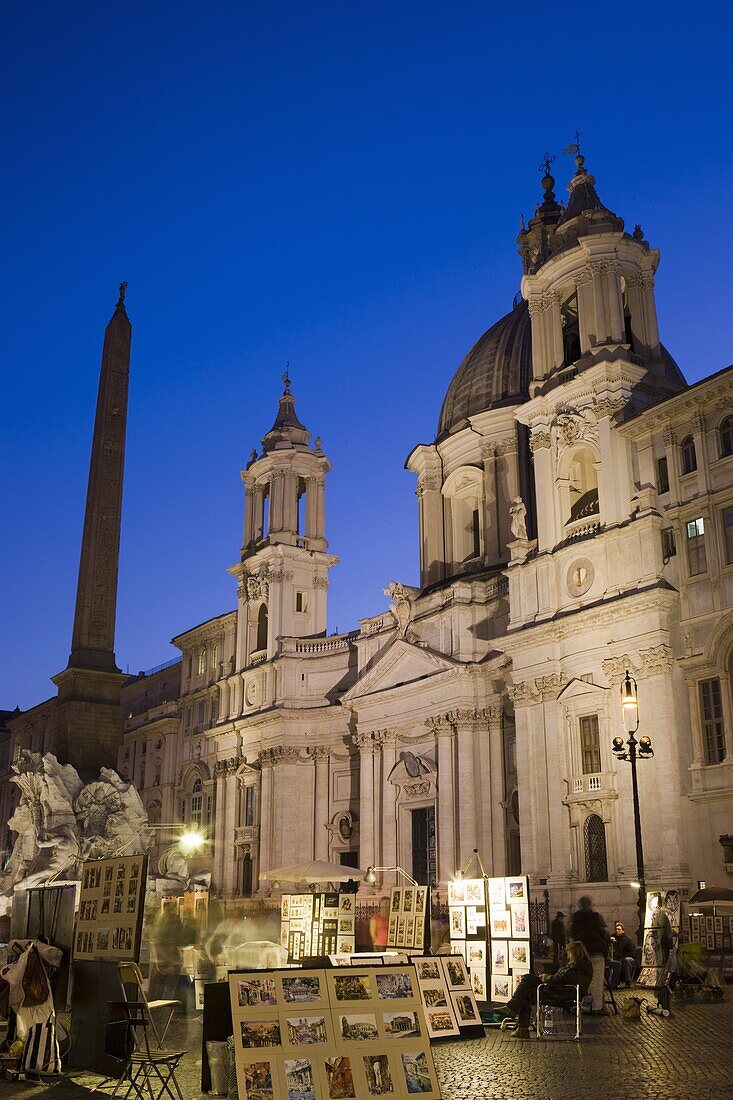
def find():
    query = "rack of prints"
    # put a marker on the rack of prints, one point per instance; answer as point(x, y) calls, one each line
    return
point(407, 917)
point(317, 924)
point(714, 933)
point(469, 928)
point(330, 1035)
point(109, 920)
point(661, 922)
point(510, 950)
point(445, 989)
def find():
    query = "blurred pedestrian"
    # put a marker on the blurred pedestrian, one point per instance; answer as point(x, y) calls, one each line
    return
point(590, 928)
point(558, 937)
point(379, 925)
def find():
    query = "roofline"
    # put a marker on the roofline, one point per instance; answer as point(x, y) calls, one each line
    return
point(681, 396)
point(184, 633)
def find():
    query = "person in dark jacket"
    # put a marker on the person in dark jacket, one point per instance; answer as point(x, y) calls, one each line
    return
point(590, 928)
point(558, 937)
point(578, 970)
point(623, 960)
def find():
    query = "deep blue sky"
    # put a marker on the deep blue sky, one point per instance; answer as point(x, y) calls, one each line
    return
point(335, 184)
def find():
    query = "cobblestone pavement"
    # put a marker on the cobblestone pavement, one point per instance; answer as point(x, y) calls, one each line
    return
point(688, 1056)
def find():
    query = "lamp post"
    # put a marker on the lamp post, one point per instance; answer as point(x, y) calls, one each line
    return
point(633, 750)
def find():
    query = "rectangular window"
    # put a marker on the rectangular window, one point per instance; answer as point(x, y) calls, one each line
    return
point(200, 706)
point(249, 805)
point(301, 601)
point(187, 720)
point(669, 546)
point(476, 530)
point(207, 817)
point(590, 744)
point(728, 535)
point(711, 706)
point(696, 557)
point(214, 710)
point(196, 801)
point(662, 476)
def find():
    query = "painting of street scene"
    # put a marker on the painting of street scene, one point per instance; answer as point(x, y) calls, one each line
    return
point(258, 1081)
point(307, 1029)
point(393, 986)
point(260, 1033)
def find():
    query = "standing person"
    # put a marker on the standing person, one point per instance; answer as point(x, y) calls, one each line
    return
point(557, 935)
point(623, 960)
point(590, 928)
point(379, 925)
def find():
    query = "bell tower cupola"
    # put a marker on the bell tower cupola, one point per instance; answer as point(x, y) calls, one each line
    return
point(283, 566)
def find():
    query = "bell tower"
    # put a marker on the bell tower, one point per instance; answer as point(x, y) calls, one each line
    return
point(283, 568)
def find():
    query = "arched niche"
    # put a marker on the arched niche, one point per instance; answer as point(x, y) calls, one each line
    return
point(463, 494)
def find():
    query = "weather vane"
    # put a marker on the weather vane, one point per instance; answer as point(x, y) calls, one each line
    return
point(546, 164)
point(286, 377)
point(573, 149)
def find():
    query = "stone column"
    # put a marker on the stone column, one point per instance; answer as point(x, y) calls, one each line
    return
point(277, 500)
point(386, 848)
point(320, 757)
point(365, 744)
point(265, 809)
point(230, 824)
point(584, 291)
point(546, 526)
point(432, 543)
point(498, 794)
point(539, 364)
point(600, 305)
point(311, 507)
point(466, 792)
point(616, 326)
point(553, 328)
point(219, 829)
point(492, 520)
point(321, 506)
point(249, 514)
point(258, 497)
point(448, 795)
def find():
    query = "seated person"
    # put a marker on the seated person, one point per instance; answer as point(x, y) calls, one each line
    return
point(623, 960)
point(578, 970)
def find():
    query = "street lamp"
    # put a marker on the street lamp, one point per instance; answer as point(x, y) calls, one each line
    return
point(633, 750)
point(371, 874)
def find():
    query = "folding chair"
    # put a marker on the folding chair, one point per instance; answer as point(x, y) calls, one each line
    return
point(608, 997)
point(130, 975)
point(150, 1073)
point(553, 1026)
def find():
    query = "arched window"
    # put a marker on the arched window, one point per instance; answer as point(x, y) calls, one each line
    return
point(582, 485)
point(214, 656)
point(689, 456)
point(464, 490)
point(262, 628)
point(726, 437)
point(196, 802)
point(202, 661)
point(596, 861)
point(570, 330)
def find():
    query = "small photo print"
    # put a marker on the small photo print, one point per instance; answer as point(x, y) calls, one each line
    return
point(475, 953)
point(478, 984)
point(285, 907)
point(458, 947)
point(435, 996)
point(718, 924)
point(392, 933)
point(131, 904)
point(455, 972)
point(346, 926)
point(409, 931)
point(306, 1030)
point(419, 932)
point(340, 1079)
point(358, 1027)
point(501, 924)
point(520, 920)
point(466, 1008)
point(401, 929)
point(103, 939)
point(352, 987)
point(120, 870)
point(303, 989)
point(417, 1074)
point(650, 976)
point(299, 1080)
point(408, 897)
point(260, 1033)
point(396, 898)
point(105, 906)
point(108, 872)
point(346, 946)
point(475, 918)
point(441, 1022)
point(421, 897)
point(457, 893)
point(394, 986)
point(457, 917)
point(346, 903)
point(401, 1025)
point(519, 954)
point(501, 987)
point(500, 956)
point(258, 1081)
point(254, 992)
point(516, 889)
point(378, 1075)
point(497, 894)
point(475, 891)
point(428, 969)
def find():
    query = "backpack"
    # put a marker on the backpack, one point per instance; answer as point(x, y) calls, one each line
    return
point(630, 1009)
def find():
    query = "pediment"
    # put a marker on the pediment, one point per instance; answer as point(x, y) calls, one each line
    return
point(578, 689)
point(399, 662)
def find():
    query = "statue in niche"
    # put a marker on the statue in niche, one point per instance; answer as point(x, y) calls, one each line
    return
point(518, 513)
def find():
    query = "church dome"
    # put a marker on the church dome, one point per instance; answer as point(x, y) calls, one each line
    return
point(496, 371)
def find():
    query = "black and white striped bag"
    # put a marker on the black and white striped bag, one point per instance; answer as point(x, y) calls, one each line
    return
point(41, 1049)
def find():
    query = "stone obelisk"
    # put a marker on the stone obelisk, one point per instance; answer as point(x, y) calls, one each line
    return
point(88, 720)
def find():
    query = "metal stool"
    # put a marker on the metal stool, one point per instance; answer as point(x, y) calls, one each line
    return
point(554, 1026)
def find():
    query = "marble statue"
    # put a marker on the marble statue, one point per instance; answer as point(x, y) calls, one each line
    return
point(518, 513)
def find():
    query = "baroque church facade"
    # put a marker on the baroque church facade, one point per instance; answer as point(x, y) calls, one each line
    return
point(575, 521)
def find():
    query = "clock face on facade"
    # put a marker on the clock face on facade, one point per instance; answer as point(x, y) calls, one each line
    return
point(580, 576)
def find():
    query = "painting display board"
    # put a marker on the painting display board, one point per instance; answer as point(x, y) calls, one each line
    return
point(661, 920)
point(317, 924)
point(110, 917)
point(345, 1034)
point(468, 925)
point(448, 1000)
point(408, 917)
